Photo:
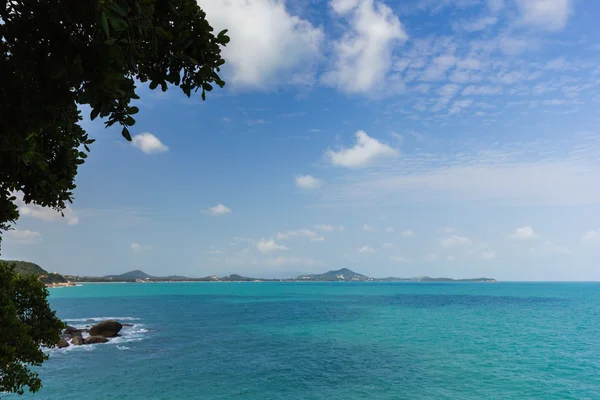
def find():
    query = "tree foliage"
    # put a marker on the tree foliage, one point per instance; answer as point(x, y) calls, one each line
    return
point(61, 54)
point(56, 56)
point(26, 323)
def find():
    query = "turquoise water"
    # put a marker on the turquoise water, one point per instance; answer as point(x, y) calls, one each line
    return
point(332, 341)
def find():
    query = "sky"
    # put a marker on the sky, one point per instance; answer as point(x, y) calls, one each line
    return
point(455, 138)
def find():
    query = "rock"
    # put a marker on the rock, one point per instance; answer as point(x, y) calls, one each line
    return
point(108, 328)
point(77, 341)
point(127, 324)
point(69, 330)
point(62, 343)
point(95, 339)
point(66, 337)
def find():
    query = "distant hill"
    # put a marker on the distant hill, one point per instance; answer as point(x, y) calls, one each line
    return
point(339, 275)
point(343, 274)
point(136, 274)
point(29, 268)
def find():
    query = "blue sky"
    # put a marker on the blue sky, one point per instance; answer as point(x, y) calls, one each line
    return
point(442, 137)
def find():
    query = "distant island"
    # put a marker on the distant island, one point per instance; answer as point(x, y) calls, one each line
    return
point(340, 275)
point(50, 279)
point(53, 279)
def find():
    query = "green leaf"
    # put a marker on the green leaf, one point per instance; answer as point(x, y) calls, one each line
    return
point(203, 95)
point(94, 113)
point(82, 154)
point(207, 86)
point(104, 24)
point(85, 146)
point(133, 110)
point(115, 7)
point(110, 42)
point(125, 133)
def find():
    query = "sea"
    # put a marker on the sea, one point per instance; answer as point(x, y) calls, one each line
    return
point(287, 340)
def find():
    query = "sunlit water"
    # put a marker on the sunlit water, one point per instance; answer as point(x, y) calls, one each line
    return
point(331, 341)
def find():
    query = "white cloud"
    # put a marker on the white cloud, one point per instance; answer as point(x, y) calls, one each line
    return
point(368, 228)
point(148, 143)
point(219, 209)
point(591, 237)
point(304, 262)
point(328, 228)
point(481, 90)
point(268, 44)
point(365, 151)
point(366, 249)
point(399, 259)
point(478, 24)
point(408, 233)
point(44, 213)
point(269, 246)
point(530, 174)
point(488, 255)
point(455, 240)
point(523, 233)
point(551, 15)
point(23, 237)
point(363, 55)
point(317, 239)
point(389, 229)
point(308, 182)
point(387, 245)
point(139, 247)
point(298, 232)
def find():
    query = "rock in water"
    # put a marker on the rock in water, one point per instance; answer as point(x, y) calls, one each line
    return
point(62, 343)
point(95, 339)
point(77, 341)
point(108, 328)
point(70, 330)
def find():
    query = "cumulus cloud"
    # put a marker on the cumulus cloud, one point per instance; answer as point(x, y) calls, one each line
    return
point(368, 228)
point(218, 210)
point(366, 249)
point(389, 229)
point(591, 237)
point(398, 259)
point(269, 246)
point(23, 236)
point(139, 247)
point(45, 213)
point(308, 182)
point(488, 255)
point(523, 233)
point(408, 233)
point(387, 245)
point(328, 228)
point(365, 151)
point(551, 15)
point(148, 143)
point(362, 57)
point(300, 232)
point(455, 240)
point(268, 43)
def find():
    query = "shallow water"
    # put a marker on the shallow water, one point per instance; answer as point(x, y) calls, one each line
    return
point(331, 341)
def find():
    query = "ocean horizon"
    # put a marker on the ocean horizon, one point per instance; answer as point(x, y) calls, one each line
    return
point(330, 340)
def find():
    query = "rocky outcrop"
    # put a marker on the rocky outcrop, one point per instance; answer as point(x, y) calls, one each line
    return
point(77, 341)
point(98, 333)
point(95, 339)
point(108, 328)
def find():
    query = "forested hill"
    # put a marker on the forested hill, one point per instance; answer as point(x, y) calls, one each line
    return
point(29, 268)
